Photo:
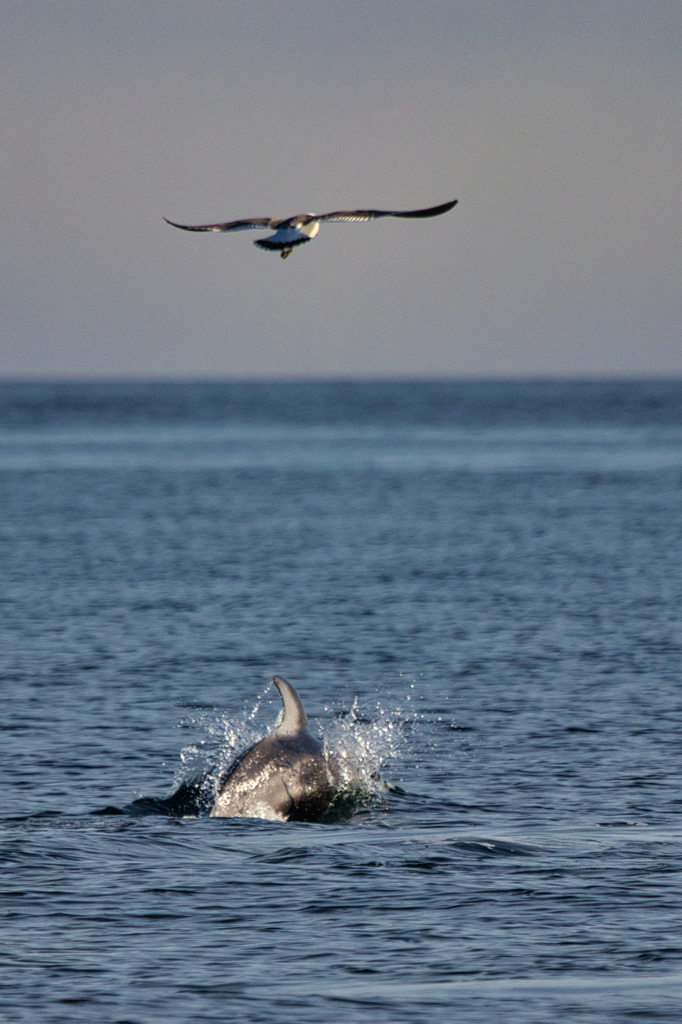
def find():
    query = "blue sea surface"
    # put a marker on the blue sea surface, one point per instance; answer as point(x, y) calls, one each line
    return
point(475, 587)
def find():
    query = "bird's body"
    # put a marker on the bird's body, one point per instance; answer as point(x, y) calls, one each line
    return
point(293, 231)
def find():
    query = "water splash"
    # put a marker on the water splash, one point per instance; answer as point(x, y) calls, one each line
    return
point(204, 762)
point(362, 744)
point(359, 745)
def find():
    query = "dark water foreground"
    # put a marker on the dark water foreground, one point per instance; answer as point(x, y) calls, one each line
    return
point(475, 588)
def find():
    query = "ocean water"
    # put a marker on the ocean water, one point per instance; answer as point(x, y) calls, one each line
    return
point(476, 589)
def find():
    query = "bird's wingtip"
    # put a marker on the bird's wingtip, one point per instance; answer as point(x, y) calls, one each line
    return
point(431, 211)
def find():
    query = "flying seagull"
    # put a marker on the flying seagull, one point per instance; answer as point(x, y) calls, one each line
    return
point(293, 231)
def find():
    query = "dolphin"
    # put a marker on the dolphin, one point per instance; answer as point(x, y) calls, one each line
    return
point(285, 776)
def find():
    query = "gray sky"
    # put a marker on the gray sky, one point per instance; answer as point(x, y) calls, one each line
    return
point(557, 125)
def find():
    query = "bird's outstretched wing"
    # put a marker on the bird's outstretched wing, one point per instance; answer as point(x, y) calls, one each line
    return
point(361, 215)
point(231, 225)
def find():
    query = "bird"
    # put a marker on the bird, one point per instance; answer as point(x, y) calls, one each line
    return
point(303, 227)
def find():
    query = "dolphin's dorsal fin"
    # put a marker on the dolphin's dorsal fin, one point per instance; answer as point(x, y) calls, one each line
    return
point(295, 717)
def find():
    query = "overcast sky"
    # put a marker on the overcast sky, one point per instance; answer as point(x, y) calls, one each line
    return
point(557, 125)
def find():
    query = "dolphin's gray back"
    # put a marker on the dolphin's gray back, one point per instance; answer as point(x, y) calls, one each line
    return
point(285, 775)
point(281, 776)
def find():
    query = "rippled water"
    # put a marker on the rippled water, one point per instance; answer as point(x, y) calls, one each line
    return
point(476, 587)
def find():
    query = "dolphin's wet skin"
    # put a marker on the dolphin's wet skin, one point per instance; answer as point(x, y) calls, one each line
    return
point(286, 776)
